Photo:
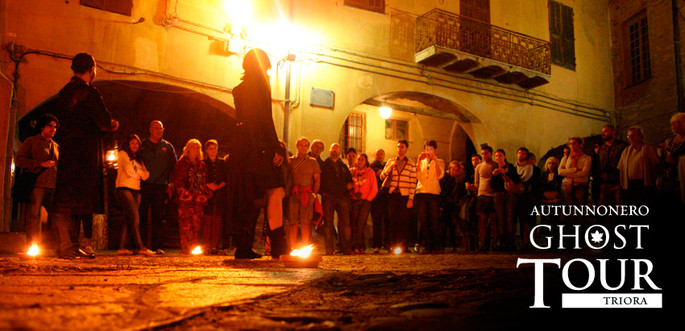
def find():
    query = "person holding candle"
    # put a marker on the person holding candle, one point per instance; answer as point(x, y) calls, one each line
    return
point(429, 171)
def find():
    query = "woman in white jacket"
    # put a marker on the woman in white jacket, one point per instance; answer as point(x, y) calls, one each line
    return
point(129, 174)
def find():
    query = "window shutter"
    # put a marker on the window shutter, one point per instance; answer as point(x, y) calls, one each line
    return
point(568, 36)
point(562, 35)
point(371, 5)
point(123, 7)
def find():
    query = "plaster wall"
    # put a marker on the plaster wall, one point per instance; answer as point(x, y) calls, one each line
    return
point(341, 48)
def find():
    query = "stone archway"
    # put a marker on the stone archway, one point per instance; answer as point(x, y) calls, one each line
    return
point(438, 118)
point(185, 113)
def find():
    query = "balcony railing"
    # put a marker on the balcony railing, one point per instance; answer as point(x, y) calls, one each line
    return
point(447, 30)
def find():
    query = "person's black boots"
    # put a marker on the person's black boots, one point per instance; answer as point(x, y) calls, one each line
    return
point(246, 254)
point(279, 245)
point(244, 246)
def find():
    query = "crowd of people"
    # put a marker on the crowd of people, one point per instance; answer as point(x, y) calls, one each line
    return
point(419, 204)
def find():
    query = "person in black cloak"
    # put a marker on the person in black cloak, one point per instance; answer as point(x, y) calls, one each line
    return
point(256, 159)
point(84, 122)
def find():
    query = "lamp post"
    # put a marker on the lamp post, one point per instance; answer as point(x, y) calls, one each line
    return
point(289, 59)
point(286, 115)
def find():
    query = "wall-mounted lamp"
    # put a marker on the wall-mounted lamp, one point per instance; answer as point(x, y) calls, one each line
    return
point(385, 112)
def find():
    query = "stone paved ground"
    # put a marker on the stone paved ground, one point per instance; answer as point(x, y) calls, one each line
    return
point(375, 292)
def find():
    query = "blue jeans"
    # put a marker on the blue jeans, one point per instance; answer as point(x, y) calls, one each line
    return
point(399, 221)
point(359, 214)
point(153, 231)
point(428, 209)
point(341, 205)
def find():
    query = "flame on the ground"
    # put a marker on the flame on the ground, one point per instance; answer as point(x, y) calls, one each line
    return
point(398, 250)
point(33, 250)
point(197, 250)
point(303, 252)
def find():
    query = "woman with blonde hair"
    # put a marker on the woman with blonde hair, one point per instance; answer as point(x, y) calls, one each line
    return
point(190, 182)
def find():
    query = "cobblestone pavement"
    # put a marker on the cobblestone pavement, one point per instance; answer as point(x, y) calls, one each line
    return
point(374, 292)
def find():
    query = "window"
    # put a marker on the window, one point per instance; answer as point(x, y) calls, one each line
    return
point(116, 6)
point(478, 10)
point(353, 132)
point(561, 35)
point(372, 5)
point(396, 129)
point(636, 45)
point(475, 37)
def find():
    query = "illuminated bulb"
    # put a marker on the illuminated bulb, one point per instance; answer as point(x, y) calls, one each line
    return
point(385, 112)
point(33, 250)
point(239, 12)
point(398, 250)
point(111, 156)
point(304, 252)
point(197, 250)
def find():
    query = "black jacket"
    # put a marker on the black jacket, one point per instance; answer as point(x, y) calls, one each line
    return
point(334, 177)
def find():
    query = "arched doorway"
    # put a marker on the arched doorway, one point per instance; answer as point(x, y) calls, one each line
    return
point(185, 113)
point(416, 117)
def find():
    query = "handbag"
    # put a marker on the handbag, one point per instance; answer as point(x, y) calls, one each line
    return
point(510, 186)
point(23, 185)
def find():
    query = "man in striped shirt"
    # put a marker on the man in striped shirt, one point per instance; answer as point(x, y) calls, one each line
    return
point(399, 176)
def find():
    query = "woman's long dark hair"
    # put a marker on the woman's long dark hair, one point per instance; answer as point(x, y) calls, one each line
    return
point(255, 64)
point(366, 158)
point(127, 148)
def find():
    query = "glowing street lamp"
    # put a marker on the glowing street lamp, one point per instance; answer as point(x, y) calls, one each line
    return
point(385, 112)
point(239, 12)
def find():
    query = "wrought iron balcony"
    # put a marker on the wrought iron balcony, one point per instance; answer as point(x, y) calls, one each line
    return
point(459, 44)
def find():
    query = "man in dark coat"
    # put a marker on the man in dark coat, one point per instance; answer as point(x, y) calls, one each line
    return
point(84, 121)
point(336, 182)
